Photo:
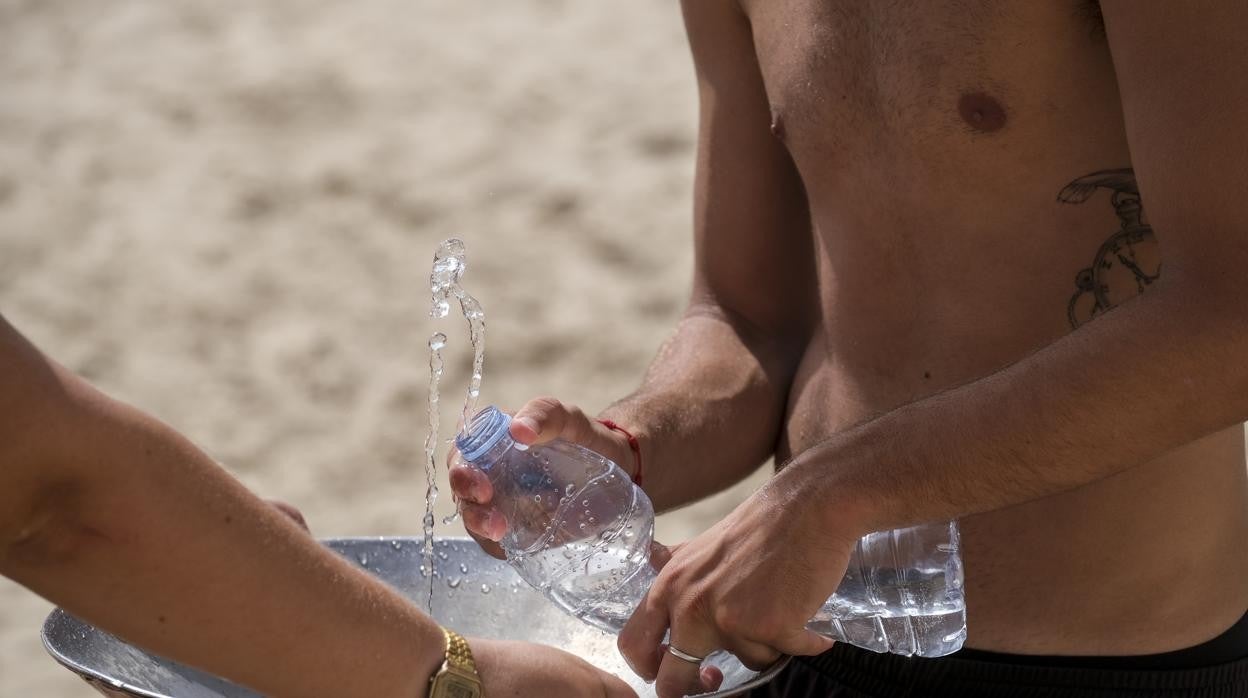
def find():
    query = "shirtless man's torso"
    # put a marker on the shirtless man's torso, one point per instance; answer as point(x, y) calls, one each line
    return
point(975, 259)
point(950, 153)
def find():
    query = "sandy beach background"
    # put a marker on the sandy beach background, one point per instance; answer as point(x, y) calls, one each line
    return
point(224, 213)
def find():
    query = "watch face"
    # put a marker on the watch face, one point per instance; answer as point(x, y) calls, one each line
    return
point(453, 686)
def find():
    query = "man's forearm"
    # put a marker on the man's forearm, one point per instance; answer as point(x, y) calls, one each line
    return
point(711, 407)
point(1155, 373)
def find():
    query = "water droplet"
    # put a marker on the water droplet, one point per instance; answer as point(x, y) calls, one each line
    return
point(585, 503)
point(454, 582)
point(396, 545)
point(363, 559)
point(537, 498)
point(569, 490)
point(485, 588)
point(442, 554)
point(463, 568)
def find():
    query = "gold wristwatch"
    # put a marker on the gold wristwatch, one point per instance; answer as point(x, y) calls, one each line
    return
point(458, 676)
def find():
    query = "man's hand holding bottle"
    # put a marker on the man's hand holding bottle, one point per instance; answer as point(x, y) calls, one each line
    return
point(539, 421)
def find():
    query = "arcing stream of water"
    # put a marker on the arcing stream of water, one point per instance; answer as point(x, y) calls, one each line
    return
point(436, 342)
point(449, 263)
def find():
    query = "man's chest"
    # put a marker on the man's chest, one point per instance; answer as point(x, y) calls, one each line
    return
point(852, 80)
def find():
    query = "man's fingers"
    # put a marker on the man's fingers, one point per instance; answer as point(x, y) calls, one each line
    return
point(491, 548)
point(803, 643)
point(640, 642)
point(484, 521)
point(711, 678)
point(538, 421)
point(470, 484)
point(680, 677)
point(754, 655)
point(660, 554)
point(546, 419)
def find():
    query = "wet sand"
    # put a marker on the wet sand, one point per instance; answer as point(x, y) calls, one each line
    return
point(224, 213)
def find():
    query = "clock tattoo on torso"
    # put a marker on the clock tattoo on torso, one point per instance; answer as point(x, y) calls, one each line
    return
point(1127, 262)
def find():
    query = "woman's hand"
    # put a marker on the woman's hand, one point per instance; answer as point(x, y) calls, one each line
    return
point(539, 421)
point(748, 586)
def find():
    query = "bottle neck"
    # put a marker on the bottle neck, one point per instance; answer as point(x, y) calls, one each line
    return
point(487, 438)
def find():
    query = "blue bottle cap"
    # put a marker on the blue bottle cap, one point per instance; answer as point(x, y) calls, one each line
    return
point(484, 431)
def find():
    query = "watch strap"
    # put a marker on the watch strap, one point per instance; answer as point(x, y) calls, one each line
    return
point(458, 654)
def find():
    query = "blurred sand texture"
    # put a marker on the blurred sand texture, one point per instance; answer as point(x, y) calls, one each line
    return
point(224, 212)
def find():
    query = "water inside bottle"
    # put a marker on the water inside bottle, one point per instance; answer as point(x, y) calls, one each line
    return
point(902, 593)
point(594, 567)
point(910, 592)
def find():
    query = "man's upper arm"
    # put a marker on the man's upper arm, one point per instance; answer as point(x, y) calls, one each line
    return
point(1181, 70)
point(753, 245)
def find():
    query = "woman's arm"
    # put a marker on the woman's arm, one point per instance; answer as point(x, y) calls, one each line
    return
point(119, 519)
point(123, 522)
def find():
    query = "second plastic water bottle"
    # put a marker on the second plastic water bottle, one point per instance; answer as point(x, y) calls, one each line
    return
point(580, 531)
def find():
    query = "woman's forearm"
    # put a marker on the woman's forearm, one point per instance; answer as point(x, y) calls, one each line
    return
point(127, 524)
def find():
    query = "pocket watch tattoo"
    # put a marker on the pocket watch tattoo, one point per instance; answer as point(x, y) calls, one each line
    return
point(1127, 262)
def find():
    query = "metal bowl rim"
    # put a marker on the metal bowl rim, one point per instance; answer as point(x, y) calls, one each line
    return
point(83, 671)
point(94, 674)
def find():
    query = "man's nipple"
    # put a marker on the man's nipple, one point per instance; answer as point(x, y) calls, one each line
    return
point(981, 112)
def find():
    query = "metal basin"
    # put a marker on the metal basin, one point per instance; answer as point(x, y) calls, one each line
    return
point(473, 593)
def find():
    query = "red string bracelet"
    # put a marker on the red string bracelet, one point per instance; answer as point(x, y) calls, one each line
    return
point(632, 444)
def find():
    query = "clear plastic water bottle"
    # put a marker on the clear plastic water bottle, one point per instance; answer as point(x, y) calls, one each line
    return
point(902, 593)
point(577, 527)
point(580, 531)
